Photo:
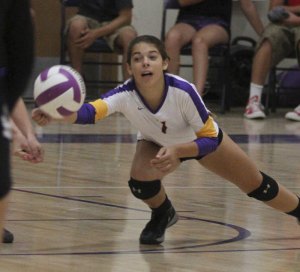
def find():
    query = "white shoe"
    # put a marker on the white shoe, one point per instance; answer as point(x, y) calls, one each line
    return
point(254, 109)
point(294, 115)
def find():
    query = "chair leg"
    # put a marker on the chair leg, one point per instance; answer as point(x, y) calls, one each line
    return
point(273, 91)
point(225, 99)
point(270, 92)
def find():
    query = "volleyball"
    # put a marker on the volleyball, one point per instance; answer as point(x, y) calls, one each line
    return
point(59, 91)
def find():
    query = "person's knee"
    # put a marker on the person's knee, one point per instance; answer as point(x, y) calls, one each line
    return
point(173, 39)
point(144, 189)
point(125, 38)
point(130, 35)
point(75, 27)
point(267, 190)
point(199, 43)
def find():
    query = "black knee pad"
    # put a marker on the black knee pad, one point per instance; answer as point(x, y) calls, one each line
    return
point(267, 190)
point(144, 189)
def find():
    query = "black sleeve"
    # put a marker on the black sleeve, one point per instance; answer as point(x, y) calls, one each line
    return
point(20, 49)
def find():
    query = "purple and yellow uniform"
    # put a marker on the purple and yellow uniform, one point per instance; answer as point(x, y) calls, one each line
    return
point(181, 117)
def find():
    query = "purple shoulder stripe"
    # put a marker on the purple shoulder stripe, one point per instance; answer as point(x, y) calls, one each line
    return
point(126, 87)
point(188, 88)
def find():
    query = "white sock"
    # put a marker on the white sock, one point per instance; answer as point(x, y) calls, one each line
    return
point(255, 90)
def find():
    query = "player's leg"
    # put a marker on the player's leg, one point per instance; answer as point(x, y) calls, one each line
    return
point(76, 26)
point(5, 179)
point(145, 184)
point(231, 163)
point(203, 40)
point(178, 36)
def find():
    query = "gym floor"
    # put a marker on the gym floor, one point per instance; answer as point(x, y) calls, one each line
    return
point(75, 212)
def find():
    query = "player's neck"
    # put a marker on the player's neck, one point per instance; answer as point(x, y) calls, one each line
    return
point(153, 95)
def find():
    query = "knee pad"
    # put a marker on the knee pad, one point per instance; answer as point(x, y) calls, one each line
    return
point(267, 190)
point(144, 189)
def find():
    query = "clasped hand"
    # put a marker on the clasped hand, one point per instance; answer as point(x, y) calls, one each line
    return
point(166, 160)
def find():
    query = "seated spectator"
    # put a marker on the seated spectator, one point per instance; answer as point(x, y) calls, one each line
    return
point(279, 40)
point(204, 24)
point(100, 19)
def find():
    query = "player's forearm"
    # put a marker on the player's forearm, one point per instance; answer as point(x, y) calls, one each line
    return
point(21, 119)
point(187, 150)
point(15, 129)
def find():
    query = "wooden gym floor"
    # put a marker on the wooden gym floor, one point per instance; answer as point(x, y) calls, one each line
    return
point(74, 212)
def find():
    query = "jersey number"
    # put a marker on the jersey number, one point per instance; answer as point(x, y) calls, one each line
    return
point(163, 127)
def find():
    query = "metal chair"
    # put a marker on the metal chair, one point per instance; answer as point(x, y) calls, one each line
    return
point(99, 46)
point(272, 88)
point(220, 52)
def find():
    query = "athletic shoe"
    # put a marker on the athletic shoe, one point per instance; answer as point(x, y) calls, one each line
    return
point(154, 231)
point(7, 237)
point(254, 109)
point(294, 115)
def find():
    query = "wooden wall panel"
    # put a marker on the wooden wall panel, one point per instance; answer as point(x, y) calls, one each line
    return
point(47, 24)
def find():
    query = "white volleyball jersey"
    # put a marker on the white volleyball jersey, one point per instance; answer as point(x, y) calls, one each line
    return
point(182, 116)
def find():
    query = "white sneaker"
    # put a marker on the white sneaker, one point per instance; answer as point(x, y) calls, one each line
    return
point(254, 109)
point(294, 115)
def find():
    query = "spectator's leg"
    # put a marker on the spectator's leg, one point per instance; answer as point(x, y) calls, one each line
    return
point(260, 69)
point(124, 38)
point(204, 39)
point(262, 63)
point(76, 53)
point(178, 36)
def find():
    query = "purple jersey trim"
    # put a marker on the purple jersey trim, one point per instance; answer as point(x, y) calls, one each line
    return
point(145, 102)
point(86, 114)
point(206, 145)
point(187, 87)
point(126, 87)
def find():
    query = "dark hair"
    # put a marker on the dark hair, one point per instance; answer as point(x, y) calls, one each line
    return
point(147, 39)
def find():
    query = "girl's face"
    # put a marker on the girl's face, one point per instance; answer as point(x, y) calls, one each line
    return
point(147, 65)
